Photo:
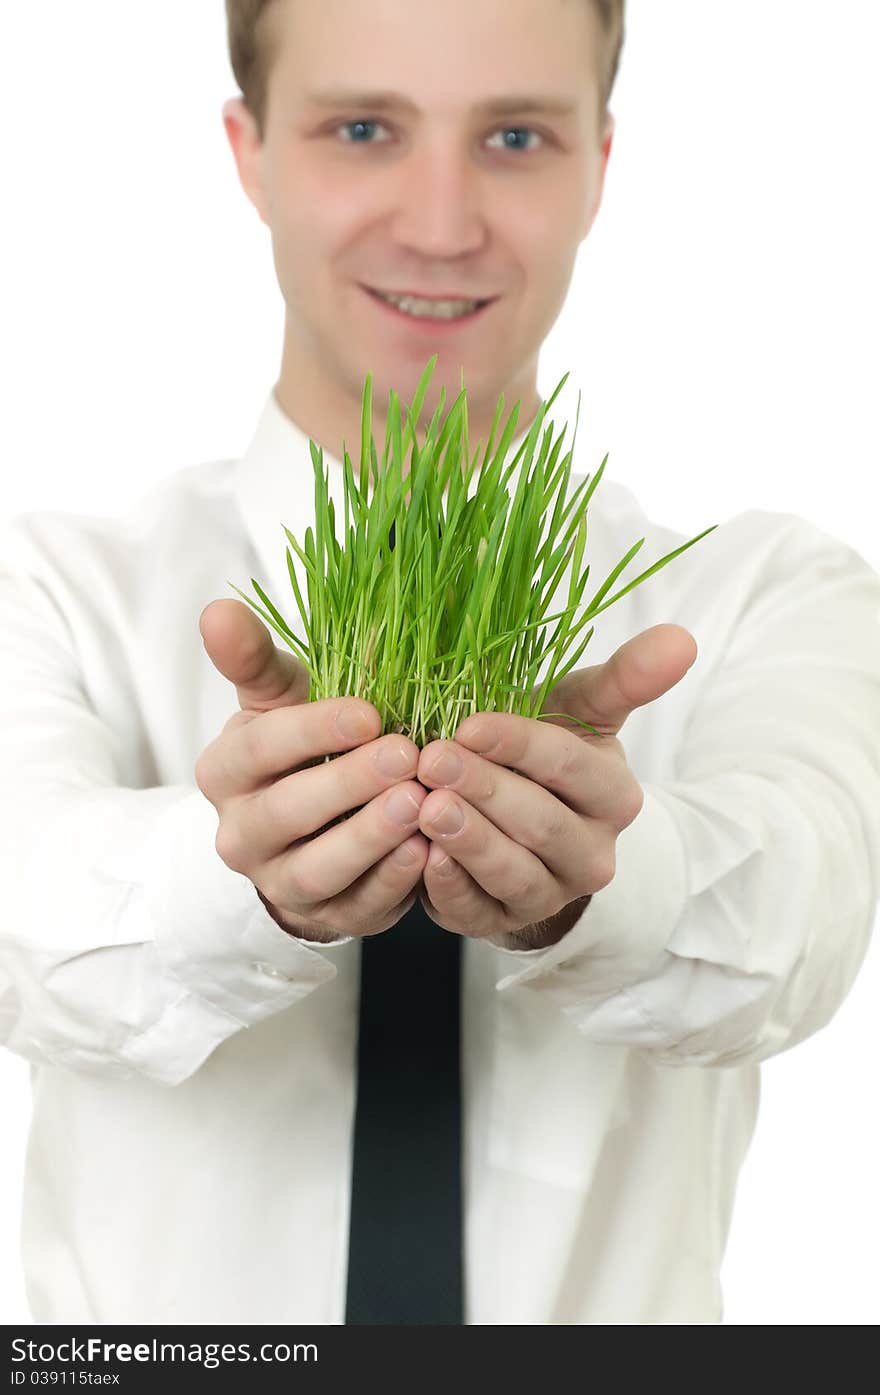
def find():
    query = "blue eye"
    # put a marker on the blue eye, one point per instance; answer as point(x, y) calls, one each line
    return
point(517, 131)
point(364, 127)
point(361, 125)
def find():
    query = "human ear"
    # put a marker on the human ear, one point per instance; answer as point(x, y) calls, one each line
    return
point(247, 149)
point(607, 138)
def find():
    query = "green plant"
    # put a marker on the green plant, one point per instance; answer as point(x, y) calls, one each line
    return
point(453, 619)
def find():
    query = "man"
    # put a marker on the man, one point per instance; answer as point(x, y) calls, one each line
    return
point(191, 1009)
point(435, 203)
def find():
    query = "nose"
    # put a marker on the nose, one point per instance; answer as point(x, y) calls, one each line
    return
point(438, 202)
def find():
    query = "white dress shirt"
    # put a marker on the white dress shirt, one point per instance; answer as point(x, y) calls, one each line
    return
point(193, 1066)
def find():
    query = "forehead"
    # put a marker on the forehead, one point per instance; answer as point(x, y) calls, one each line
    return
point(485, 57)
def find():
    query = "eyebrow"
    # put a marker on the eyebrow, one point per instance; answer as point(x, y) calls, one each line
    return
point(390, 101)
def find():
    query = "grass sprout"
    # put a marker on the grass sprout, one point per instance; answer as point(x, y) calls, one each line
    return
point(452, 619)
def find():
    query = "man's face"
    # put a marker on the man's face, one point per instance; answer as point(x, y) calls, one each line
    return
point(437, 195)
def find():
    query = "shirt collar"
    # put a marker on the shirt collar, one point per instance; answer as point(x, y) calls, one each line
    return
point(273, 485)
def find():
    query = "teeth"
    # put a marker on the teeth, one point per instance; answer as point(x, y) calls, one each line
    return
point(438, 309)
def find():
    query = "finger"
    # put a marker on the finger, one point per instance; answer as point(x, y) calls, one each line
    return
point(378, 899)
point(526, 812)
point(249, 755)
point(384, 894)
point(305, 802)
point(563, 772)
point(308, 876)
point(456, 903)
point(506, 871)
point(241, 648)
point(641, 670)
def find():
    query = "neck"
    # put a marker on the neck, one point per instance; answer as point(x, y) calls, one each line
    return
point(328, 410)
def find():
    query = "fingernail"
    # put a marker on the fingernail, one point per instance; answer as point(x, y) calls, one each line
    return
point(446, 768)
point(352, 723)
point(402, 807)
point(395, 761)
point(405, 855)
point(478, 738)
point(449, 820)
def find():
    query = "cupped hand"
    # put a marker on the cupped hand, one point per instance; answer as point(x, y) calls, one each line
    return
point(524, 813)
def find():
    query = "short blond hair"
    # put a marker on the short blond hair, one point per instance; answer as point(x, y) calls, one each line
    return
point(252, 31)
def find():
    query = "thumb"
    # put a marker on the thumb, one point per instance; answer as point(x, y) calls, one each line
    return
point(241, 648)
point(641, 670)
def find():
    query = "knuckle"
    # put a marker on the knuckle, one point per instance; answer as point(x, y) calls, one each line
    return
point(602, 869)
point(284, 890)
point(231, 846)
point(570, 762)
point(549, 830)
point(239, 719)
point(633, 805)
point(233, 723)
point(521, 888)
point(303, 888)
point(204, 771)
point(256, 744)
point(514, 745)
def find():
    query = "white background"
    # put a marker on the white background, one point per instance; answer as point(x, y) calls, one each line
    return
point(722, 327)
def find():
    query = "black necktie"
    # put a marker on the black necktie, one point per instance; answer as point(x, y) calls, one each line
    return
point(405, 1240)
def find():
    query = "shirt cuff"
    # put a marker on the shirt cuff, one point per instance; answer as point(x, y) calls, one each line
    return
point(212, 931)
point(621, 934)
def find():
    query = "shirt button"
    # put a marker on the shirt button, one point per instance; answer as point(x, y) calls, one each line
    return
point(268, 969)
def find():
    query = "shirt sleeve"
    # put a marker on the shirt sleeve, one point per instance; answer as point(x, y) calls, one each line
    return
point(127, 946)
point(746, 889)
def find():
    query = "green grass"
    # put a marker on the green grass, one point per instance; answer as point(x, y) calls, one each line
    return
point(453, 620)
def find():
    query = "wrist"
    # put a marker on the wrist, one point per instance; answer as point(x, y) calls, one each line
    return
point(315, 934)
point(543, 933)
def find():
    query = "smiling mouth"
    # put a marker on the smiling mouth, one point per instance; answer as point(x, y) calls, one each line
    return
point(432, 310)
point(422, 295)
